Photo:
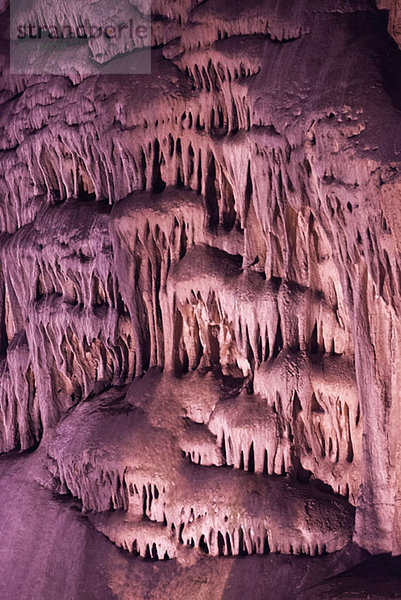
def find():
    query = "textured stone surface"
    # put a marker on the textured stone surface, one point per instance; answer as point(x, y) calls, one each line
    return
point(394, 17)
point(200, 292)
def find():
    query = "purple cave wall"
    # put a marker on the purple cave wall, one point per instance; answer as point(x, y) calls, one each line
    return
point(200, 300)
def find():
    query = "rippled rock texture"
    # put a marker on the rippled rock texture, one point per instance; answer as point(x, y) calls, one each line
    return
point(200, 287)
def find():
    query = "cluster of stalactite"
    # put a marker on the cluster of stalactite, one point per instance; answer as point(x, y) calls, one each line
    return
point(214, 225)
point(66, 331)
point(143, 497)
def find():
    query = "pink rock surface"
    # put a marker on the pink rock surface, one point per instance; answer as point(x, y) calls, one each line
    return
point(200, 298)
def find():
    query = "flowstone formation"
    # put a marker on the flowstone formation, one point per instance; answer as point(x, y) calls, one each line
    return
point(200, 281)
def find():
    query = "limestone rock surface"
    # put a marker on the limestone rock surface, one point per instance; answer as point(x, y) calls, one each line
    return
point(200, 303)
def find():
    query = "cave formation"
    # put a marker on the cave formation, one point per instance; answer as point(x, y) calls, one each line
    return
point(200, 296)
